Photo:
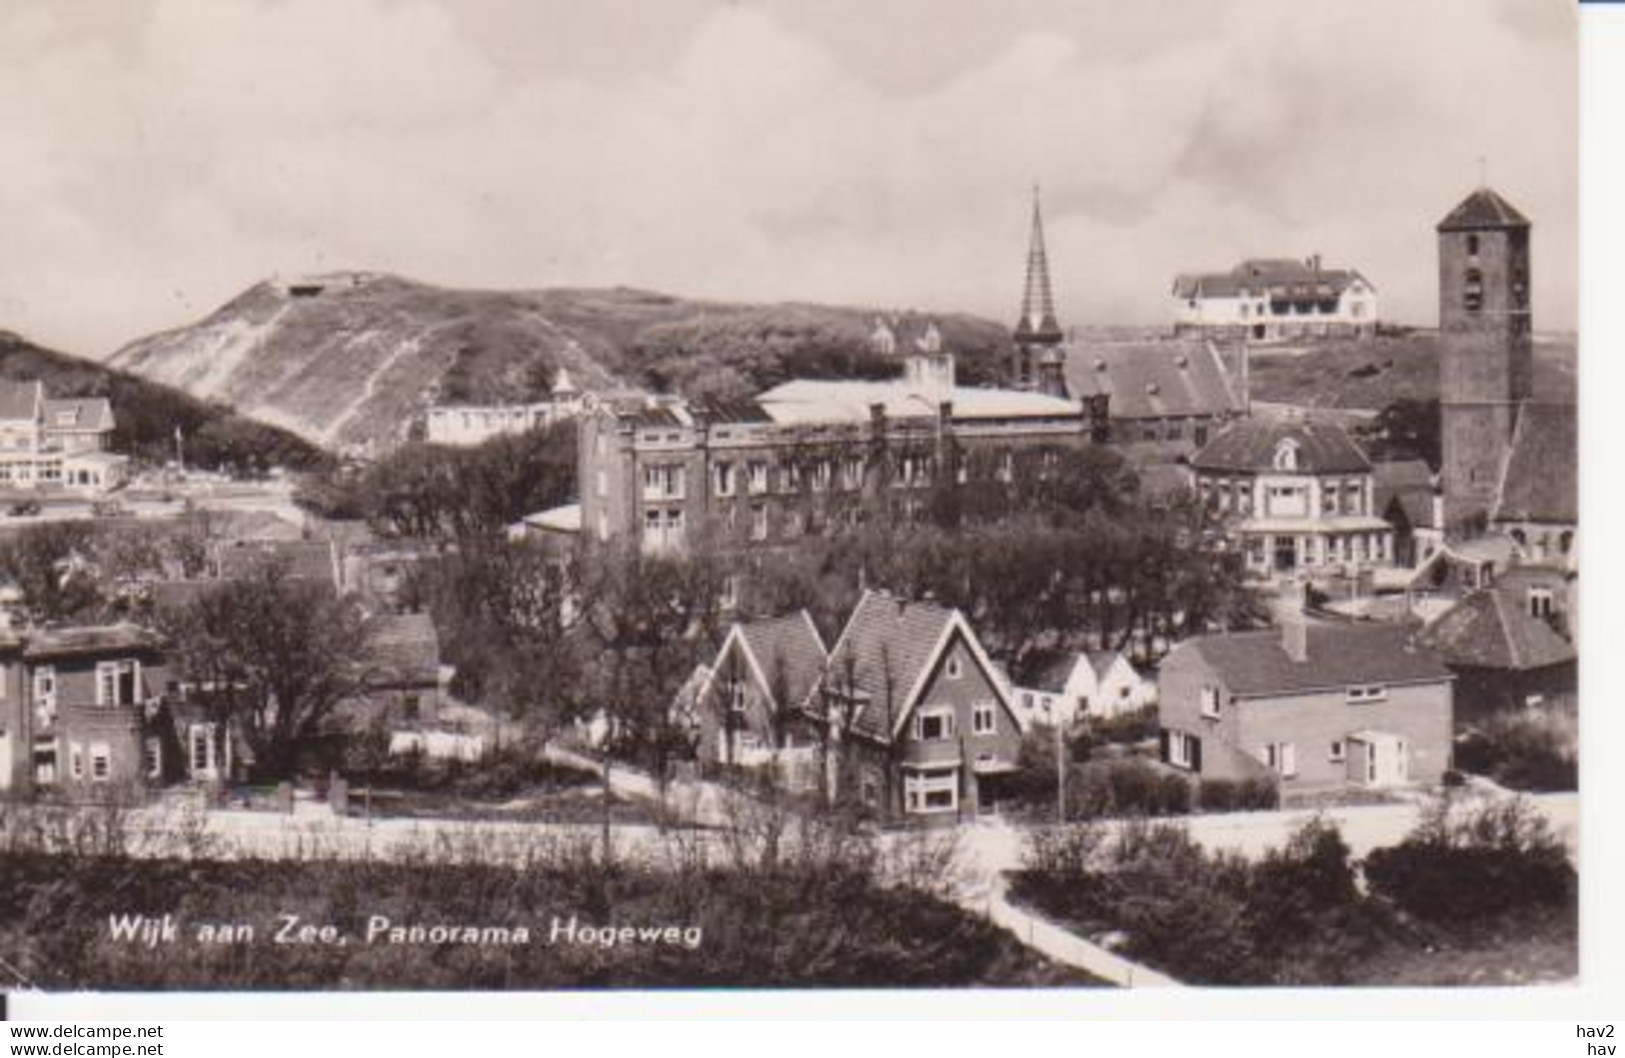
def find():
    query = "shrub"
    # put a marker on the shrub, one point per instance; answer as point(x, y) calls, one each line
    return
point(1238, 795)
point(1498, 859)
point(1522, 753)
point(1139, 725)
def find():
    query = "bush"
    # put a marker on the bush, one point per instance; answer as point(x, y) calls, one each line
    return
point(1238, 795)
point(1207, 918)
point(1139, 725)
point(1521, 753)
point(1457, 871)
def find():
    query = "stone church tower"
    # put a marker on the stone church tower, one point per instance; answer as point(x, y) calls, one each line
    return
point(1040, 352)
point(1486, 362)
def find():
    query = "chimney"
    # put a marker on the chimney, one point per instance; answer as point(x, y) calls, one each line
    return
point(1294, 629)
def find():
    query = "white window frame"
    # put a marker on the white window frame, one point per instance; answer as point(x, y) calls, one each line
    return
point(1282, 758)
point(101, 762)
point(1209, 697)
point(107, 682)
point(756, 477)
point(76, 760)
point(1367, 694)
point(727, 483)
point(984, 718)
point(954, 669)
point(918, 786)
point(152, 750)
point(945, 713)
point(1540, 602)
point(1179, 749)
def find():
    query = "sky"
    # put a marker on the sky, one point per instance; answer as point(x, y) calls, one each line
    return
point(161, 156)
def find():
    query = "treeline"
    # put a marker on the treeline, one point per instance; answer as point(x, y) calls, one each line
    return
point(439, 493)
point(738, 354)
point(147, 416)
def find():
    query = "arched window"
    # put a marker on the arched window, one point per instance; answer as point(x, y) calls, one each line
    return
point(1472, 293)
point(1286, 455)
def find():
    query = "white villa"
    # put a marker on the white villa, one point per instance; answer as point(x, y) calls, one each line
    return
point(56, 443)
point(1269, 299)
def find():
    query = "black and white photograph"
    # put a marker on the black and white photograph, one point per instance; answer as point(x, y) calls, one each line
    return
point(514, 496)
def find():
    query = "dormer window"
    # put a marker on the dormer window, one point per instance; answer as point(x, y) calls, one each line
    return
point(1286, 455)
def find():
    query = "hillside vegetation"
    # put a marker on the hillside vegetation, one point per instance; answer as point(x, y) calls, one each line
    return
point(148, 414)
point(1374, 373)
point(351, 361)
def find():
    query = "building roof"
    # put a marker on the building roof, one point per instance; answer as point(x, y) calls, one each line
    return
point(88, 639)
point(788, 653)
point(1283, 276)
point(1491, 629)
point(1055, 672)
point(1483, 209)
point(90, 414)
point(1153, 379)
point(313, 560)
point(882, 656)
point(21, 400)
point(802, 401)
point(1256, 663)
point(405, 648)
point(1252, 444)
point(1539, 482)
point(1037, 322)
point(565, 519)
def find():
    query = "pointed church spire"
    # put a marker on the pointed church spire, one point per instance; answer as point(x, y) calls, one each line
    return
point(1038, 323)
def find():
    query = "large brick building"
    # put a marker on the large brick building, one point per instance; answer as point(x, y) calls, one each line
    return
point(811, 453)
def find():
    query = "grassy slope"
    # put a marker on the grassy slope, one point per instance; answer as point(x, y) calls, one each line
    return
point(1373, 374)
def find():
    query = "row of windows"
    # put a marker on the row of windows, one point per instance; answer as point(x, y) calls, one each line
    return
point(1208, 697)
point(940, 724)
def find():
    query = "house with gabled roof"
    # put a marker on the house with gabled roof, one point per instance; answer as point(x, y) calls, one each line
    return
point(1308, 706)
point(750, 708)
point(1296, 495)
point(1075, 685)
point(56, 443)
point(1504, 651)
point(927, 724)
point(1270, 299)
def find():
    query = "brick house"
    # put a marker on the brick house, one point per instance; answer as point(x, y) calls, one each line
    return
point(78, 709)
point(931, 726)
point(750, 708)
point(1311, 706)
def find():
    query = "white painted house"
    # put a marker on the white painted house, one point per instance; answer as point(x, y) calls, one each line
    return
point(1272, 299)
point(1092, 684)
point(467, 425)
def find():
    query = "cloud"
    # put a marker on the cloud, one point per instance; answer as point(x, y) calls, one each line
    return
point(756, 152)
